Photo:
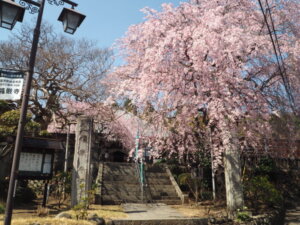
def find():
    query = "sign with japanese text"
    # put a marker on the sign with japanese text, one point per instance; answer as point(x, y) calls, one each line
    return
point(11, 84)
point(31, 162)
point(35, 162)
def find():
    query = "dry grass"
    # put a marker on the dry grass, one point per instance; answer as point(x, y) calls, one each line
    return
point(200, 211)
point(105, 211)
point(47, 221)
point(42, 211)
point(30, 217)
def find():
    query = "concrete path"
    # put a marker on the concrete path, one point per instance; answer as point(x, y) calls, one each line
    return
point(292, 216)
point(151, 212)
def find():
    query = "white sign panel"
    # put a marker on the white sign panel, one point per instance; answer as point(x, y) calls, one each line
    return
point(11, 84)
point(31, 162)
point(47, 164)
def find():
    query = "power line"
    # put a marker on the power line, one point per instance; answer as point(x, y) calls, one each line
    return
point(277, 51)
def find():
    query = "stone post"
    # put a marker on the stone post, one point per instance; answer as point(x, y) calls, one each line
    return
point(81, 174)
point(232, 170)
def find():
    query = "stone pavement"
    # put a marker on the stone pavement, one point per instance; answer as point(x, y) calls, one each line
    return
point(151, 211)
point(156, 214)
point(292, 216)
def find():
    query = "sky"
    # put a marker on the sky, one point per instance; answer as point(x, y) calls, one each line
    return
point(105, 22)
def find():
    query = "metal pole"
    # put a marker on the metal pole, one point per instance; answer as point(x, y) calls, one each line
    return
point(66, 161)
point(67, 149)
point(212, 167)
point(22, 120)
point(142, 176)
point(45, 194)
point(136, 145)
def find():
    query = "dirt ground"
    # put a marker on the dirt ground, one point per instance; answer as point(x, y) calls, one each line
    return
point(26, 214)
point(203, 209)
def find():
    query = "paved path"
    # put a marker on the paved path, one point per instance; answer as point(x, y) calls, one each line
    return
point(151, 211)
point(292, 216)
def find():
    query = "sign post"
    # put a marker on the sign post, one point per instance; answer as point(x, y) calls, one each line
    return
point(11, 84)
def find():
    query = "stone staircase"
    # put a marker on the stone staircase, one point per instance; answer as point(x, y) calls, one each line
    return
point(159, 186)
point(120, 184)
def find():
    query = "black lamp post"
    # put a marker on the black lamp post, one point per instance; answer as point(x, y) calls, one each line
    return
point(10, 12)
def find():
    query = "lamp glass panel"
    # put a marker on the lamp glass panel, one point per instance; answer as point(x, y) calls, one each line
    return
point(9, 16)
point(73, 20)
point(66, 28)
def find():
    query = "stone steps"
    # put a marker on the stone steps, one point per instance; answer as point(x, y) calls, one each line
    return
point(158, 181)
point(160, 186)
point(122, 198)
point(120, 184)
point(115, 179)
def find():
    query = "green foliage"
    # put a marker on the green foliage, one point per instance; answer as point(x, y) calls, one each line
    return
point(260, 191)
point(2, 209)
point(5, 106)
point(266, 166)
point(206, 195)
point(203, 159)
point(86, 199)
point(44, 133)
point(9, 123)
point(61, 183)
point(243, 216)
point(160, 161)
point(81, 212)
point(184, 178)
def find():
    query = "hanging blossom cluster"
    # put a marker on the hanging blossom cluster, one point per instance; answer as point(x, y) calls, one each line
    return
point(113, 124)
point(212, 54)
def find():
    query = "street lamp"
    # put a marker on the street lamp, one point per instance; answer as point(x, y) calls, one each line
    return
point(71, 19)
point(10, 12)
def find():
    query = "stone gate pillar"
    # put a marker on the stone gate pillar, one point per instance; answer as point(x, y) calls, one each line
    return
point(81, 174)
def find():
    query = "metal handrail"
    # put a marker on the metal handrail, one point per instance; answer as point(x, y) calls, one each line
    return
point(140, 177)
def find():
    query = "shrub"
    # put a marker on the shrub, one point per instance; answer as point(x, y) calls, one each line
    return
point(2, 209)
point(266, 167)
point(260, 191)
point(80, 211)
point(61, 186)
point(243, 216)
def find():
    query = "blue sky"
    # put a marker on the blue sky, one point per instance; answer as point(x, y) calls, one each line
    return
point(106, 20)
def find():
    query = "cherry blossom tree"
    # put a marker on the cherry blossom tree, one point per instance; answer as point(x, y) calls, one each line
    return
point(112, 123)
point(214, 55)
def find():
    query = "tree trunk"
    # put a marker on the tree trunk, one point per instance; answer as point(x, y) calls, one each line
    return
point(232, 169)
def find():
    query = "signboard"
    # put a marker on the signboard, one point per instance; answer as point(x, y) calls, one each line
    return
point(11, 84)
point(35, 165)
point(30, 162)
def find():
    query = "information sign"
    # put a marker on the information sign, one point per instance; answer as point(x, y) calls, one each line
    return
point(11, 84)
point(31, 162)
point(35, 163)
